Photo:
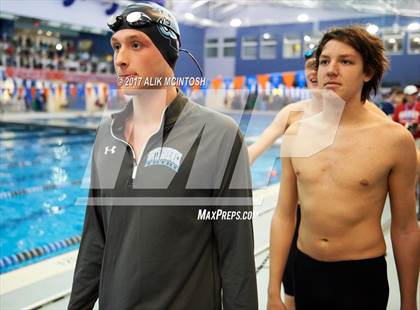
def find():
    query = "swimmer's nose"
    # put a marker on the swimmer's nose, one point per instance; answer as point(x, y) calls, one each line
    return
point(332, 69)
point(121, 59)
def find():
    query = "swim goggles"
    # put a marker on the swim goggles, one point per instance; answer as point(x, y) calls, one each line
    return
point(310, 53)
point(137, 20)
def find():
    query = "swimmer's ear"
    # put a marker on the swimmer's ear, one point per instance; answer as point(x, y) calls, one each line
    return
point(368, 75)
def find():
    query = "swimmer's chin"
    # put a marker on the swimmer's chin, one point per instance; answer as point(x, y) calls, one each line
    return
point(131, 91)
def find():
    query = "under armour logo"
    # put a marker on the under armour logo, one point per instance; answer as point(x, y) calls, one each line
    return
point(110, 149)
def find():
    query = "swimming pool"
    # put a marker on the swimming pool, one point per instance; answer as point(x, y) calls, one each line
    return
point(41, 171)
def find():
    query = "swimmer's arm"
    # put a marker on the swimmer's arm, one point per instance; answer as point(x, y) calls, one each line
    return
point(86, 277)
point(418, 165)
point(270, 135)
point(282, 228)
point(405, 233)
point(234, 237)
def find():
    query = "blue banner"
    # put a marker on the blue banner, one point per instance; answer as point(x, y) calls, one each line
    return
point(227, 81)
point(276, 79)
point(300, 78)
point(251, 82)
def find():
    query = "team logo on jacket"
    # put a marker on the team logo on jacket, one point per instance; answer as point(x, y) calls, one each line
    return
point(164, 156)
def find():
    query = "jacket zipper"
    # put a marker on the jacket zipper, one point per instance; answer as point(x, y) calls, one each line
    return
point(136, 164)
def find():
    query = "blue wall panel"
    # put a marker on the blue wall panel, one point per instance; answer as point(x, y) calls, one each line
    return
point(404, 70)
point(192, 39)
point(247, 67)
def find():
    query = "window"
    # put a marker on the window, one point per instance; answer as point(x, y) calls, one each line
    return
point(268, 46)
point(229, 46)
point(212, 48)
point(414, 43)
point(292, 47)
point(310, 41)
point(249, 48)
point(393, 41)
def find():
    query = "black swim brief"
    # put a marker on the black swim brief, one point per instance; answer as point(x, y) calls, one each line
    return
point(345, 285)
point(289, 270)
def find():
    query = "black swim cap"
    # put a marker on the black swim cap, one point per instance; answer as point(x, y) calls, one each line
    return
point(156, 22)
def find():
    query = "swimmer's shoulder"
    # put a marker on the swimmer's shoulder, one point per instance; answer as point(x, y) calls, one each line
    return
point(395, 135)
point(293, 112)
point(378, 117)
point(213, 120)
point(292, 128)
point(296, 106)
point(372, 107)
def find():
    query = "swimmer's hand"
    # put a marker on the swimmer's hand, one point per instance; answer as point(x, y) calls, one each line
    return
point(275, 303)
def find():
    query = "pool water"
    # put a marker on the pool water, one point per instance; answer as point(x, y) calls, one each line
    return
point(41, 172)
point(40, 175)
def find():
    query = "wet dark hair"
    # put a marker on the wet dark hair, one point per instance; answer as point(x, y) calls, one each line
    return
point(369, 46)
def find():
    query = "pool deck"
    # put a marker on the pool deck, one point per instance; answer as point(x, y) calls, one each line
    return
point(46, 285)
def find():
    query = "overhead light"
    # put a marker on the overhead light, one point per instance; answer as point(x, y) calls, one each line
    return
point(198, 4)
point(59, 47)
point(392, 41)
point(416, 39)
point(312, 46)
point(49, 33)
point(189, 16)
point(307, 38)
point(266, 36)
point(206, 22)
point(372, 28)
point(302, 18)
point(39, 32)
point(235, 22)
point(413, 27)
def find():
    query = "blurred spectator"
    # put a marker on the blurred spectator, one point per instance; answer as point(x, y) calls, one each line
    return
point(38, 53)
point(407, 113)
point(397, 97)
point(386, 104)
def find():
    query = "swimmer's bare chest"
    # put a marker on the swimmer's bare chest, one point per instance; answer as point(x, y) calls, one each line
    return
point(356, 164)
point(342, 191)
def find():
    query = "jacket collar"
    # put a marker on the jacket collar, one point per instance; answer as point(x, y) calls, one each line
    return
point(171, 114)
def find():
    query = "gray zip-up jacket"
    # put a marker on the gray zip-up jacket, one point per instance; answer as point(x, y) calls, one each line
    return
point(143, 244)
